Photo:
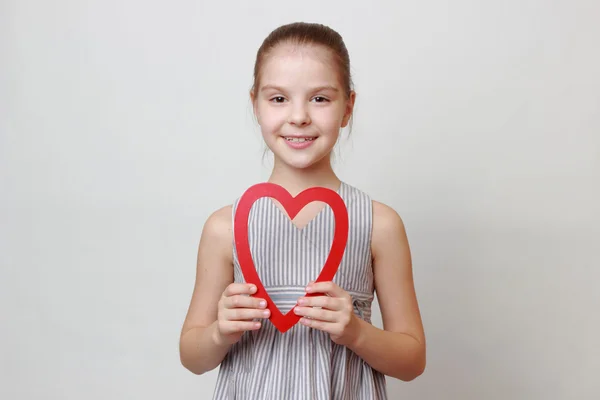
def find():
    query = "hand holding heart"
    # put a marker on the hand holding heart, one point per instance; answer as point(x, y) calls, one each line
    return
point(331, 312)
point(236, 311)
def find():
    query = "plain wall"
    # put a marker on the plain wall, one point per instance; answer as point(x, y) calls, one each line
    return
point(124, 124)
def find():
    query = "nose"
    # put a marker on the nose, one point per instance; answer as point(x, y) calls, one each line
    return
point(299, 115)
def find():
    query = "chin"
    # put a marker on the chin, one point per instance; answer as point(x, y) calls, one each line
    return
point(303, 162)
point(296, 164)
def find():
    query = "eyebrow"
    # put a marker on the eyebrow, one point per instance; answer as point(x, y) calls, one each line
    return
point(315, 89)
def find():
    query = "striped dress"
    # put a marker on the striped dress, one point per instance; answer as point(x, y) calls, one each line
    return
point(303, 363)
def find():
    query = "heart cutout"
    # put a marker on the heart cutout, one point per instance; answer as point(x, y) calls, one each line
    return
point(292, 206)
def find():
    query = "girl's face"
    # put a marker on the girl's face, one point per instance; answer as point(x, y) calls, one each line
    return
point(300, 104)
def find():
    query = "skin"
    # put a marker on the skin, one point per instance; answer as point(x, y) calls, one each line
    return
point(300, 94)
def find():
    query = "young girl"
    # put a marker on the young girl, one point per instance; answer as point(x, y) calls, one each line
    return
point(302, 96)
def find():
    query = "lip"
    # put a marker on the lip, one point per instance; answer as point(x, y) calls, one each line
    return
point(299, 145)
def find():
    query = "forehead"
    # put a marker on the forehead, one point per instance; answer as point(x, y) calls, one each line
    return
point(299, 65)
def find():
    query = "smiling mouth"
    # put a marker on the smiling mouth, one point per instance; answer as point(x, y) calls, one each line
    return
point(299, 139)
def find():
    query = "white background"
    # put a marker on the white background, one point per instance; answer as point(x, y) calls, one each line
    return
point(124, 124)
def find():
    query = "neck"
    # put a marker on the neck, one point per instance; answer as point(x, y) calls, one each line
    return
point(295, 180)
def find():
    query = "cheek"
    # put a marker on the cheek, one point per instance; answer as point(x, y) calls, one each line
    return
point(330, 120)
point(270, 118)
point(269, 124)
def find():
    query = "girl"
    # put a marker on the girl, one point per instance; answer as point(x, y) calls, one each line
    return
point(302, 96)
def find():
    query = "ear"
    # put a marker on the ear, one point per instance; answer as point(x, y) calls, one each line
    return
point(349, 108)
point(253, 100)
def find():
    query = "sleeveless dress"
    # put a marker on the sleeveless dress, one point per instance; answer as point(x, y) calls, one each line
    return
point(303, 363)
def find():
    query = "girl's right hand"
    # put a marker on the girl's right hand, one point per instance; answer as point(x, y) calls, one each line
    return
point(236, 311)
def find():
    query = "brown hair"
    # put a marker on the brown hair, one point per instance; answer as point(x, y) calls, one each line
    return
point(303, 33)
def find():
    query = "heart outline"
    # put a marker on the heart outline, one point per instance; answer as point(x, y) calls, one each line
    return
point(292, 205)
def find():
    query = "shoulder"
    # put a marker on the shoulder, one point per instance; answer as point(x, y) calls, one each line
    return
point(388, 227)
point(218, 227)
point(355, 197)
point(219, 222)
point(385, 217)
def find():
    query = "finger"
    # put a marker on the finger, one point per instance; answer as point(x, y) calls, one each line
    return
point(330, 303)
point(229, 327)
point(325, 326)
point(244, 314)
point(239, 288)
point(240, 301)
point(327, 287)
point(320, 314)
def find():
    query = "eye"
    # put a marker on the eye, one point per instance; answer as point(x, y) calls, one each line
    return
point(278, 99)
point(320, 99)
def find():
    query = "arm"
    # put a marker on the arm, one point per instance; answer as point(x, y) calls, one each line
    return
point(399, 349)
point(199, 347)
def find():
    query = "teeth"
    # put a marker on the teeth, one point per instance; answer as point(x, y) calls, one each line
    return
point(299, 140)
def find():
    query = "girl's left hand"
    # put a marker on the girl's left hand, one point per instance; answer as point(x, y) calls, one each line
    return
point(335, 315)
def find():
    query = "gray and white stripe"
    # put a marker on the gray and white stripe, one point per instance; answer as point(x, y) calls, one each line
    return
point(303, 363)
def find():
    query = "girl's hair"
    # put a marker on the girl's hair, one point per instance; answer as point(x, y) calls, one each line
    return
point(303, 33)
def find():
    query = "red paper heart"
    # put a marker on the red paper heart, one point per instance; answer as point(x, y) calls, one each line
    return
point(292, 205)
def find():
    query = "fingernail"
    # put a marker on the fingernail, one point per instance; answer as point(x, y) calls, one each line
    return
point(266, 313)
point(263, 303)
point(308, 288)
point(301, 301)
point(252, 288)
